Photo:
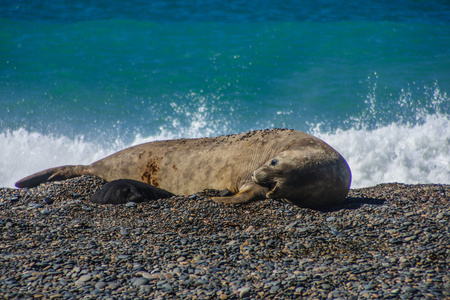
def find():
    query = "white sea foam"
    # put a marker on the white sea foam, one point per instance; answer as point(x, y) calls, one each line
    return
point(394, 153)
point(24, 153)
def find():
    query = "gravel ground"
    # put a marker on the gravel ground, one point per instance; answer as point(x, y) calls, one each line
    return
point(389, 241)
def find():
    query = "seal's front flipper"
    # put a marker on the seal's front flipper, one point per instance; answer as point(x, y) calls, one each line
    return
point(249, 192)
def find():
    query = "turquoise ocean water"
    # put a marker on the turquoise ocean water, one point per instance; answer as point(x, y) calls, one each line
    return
point(83, 79)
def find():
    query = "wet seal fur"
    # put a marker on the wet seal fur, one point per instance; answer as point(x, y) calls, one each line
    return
point(121, 191)
point(278, 164)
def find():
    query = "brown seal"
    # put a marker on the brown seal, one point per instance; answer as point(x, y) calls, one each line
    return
point(278, 164)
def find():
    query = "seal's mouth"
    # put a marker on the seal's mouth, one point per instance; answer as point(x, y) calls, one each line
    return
point(270, 184)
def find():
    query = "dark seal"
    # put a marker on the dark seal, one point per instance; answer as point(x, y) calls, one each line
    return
point(122, 191)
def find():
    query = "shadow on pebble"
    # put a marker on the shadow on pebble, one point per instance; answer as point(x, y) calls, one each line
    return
point(354, 203)
point(122, 191)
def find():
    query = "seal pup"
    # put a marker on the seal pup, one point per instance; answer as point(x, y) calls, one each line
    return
point(121, 191)
point(278, 163)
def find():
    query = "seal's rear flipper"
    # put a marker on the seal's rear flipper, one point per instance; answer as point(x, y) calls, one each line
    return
point(53, 174)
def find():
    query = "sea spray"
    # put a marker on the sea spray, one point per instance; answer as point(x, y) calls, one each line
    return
point(24, 153)
point(396, 153)
point(415, 148)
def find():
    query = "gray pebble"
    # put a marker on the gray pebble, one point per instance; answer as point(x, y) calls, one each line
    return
point(35, 205)
point(86, 208)
point(408, 289)
point(45, 211)
point(291, 225)
point(369, 286)
point(101, 285)
point(84, 278)
point(244, 292)
point(140, 281)
point(145, 288)
point(113, 285)
point(274, 289)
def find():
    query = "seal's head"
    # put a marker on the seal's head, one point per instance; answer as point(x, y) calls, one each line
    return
point(306, 177)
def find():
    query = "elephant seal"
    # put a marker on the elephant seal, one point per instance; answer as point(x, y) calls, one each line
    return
point(278, 163)
point(121, 191)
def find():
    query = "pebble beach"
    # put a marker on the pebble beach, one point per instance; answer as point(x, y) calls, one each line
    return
point(390, 241)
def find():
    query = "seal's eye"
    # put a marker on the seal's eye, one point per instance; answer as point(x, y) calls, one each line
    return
point(274, 162)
